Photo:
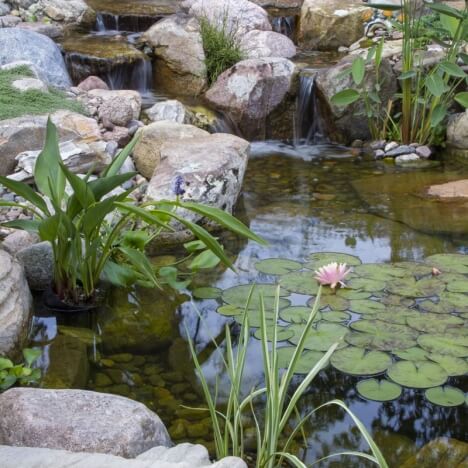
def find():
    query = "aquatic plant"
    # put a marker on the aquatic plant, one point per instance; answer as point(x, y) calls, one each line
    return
point(273, 406)
point(427, 92)
point(332, 275)
point(22, 373)
point(93, 230)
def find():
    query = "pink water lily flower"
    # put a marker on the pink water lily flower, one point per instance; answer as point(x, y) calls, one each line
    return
point(332, 274)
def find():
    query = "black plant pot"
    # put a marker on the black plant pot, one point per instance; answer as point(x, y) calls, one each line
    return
point(55, 304)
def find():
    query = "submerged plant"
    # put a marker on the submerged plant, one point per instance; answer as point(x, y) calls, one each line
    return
point(272, 406)
point(10, 374)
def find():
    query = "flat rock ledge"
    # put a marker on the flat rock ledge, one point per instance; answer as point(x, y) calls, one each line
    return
point(456, 189)
point(180, 456)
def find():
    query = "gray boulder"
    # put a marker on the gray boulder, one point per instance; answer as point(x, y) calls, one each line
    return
point(171, 110)
point(79, 421)
point(258, 44)
point(9, 21)
point(251, 90)
point(38, 264)
point(15, 305)
point(21, 44)
point(54, 31)
point(457, 131)
point(4, 9)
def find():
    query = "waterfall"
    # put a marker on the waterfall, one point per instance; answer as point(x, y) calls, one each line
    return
point(110, 23)
point(310, 128)
point(137, 75)
point(285, 25)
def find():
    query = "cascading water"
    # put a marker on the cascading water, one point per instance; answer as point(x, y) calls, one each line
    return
point(309, 128)
point(285, 25)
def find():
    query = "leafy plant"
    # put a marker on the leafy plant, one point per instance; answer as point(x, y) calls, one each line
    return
point(93, 230)
point(10, 374)
point(276, 401)
point(427, 92)
point(221, 46)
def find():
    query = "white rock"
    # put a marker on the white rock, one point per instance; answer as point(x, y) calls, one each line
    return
point(390, 146)
point(27, 84)
point(258, 44)
point(407, 158)
point(171, 110)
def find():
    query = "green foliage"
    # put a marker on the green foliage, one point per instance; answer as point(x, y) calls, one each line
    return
point(419, 113)
point(92, 231)
point(273, 405)
point(14, 103)
point(10, 374)
point(221, 46)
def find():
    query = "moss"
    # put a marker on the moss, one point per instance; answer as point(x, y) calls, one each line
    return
point(14, 103)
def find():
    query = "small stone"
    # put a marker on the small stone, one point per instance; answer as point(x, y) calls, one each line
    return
point(424, 152)
point(115, 375)
point(102, 380)
point(379, 154)
point(200, 429)
point(107, 362)
point(111, 148)
point(121, 389)
point(92, 82)
point(161, 393)
point(390, 146)
point(29, 84)
point(178, 429)
point(398, 151)
point(156, 380)
point(122, 357)
point(378, 144)
point(174, 377)
point(407, 158)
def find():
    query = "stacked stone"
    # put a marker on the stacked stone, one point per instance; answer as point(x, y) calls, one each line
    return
point(400, 153)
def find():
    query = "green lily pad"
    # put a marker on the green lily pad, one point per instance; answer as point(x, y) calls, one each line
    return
point(207, 292)
point(366, 306)
point(398, 315)
point(419, 374)
point(376, 334)
point(459, 286)
point(445, 396)
point(441, 307)
point(459, 301)
point(277, 266)
point(282, 333)
point(394, 300)
point(456, 263)
point(358, 361)
point(379, 271)
point(415, 268)
point(332, 301)
point(412, 354)
point(350, 294)
point(320, 259)
point(365, 284)
point(445, 344)
point(255, 320)
point(409, 287)
point(238, 296)
point(230, 310)
point(298, 314)
point(428, 287)
point(320, 338)
point(305, 363)
point(433, 323)
point(454, 366)
point(335, 316)
point(378, 390)
point(300, 282)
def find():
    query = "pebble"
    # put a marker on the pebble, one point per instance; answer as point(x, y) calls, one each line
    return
point(405, 158)
point(424, 151)
point(399, 150)
point(379, 154)
point(122, 357)
point(390, 146)
point(378, 145)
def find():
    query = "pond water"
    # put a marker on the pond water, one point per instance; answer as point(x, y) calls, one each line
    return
point(301, 200)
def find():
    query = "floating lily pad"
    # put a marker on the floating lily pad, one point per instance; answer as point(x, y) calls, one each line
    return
point(445, 396)
point(445, 344)
point(376, 334)
point(428, 287)
point(394, 300)
point(358, 361)
point(419, 374)
point(331, 301)
point(277, 266)
point(453, 365)
point(320, 259)
point(349, 294)
point(459, 301)
point(403, 287)
point(459, 286)
point(305, 363)
point(378, 390)
point(379, 271)
point(412, 354)
point(238, 296)
point(433, 323)
point(335, 316)
point(255, 320)
point(300, 282)
point(415, 268)
point(320, 338)
point(456, 263)
point(366, 306)
point(441, 307)
point(399, 315)
point(282, 333)
point(229, 310)
point(298, 314)
point(207, 292)
point(365, 284)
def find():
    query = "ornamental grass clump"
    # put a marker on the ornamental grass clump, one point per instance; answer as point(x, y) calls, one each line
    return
point(273, 405)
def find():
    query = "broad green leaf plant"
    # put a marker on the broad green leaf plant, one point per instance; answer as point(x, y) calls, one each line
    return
point(418, 114)
point(23, 373)
point(277, 399)
point(99, 233)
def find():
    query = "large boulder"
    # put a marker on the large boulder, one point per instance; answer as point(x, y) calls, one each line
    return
point(212, 169)
point(15, 305)
point(329, 24)
point(349, 122)
point(21, 44)
point(28, 134)
point(79, 421)
point(147, 152)
point(251, 90)
point(258, 44)
point(38, 262)
point(235, 16)
point(67, 11)
point(457, 132)
point(179, 55)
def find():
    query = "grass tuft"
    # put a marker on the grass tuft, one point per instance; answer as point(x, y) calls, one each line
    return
point(14, 103)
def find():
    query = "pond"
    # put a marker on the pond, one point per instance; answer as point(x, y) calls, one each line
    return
point(302, 200)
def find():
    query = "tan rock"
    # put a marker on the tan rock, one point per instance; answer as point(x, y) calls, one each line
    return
point(457, 189)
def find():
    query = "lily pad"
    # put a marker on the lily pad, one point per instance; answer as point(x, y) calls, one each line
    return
point(229, 310)
point(399, 315)
point(320, 338)
point(454, 366)
point(428, 287)
point(298, 314)
point(350, 294)
point(300, 282)
point(305, 363)
point(333, 302)
point(379, 271)
point(366, 306)
point(255, 320)
point(457, 263)
point(441, 307)
point(207, 292)
point(412, 354)
point(403, 287)
point(419, 374)
point(277, 266)
point(376, 334)
point(335, 316)
point(459, 301)
point(433, 323)
point(445, 344)
point(415, 268)
point(365, 284)
point(238, 296)
point(358, 361)
point(320, 259)
point(282, 333)
point(445, 396)
point(459, 286)
point(378, 390)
